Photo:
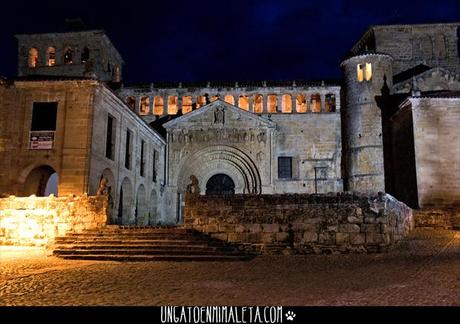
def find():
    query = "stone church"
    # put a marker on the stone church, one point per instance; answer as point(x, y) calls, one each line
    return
point(70, 126)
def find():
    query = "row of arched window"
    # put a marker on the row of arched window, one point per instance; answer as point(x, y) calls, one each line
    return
point(67, 58)
point(272, 103)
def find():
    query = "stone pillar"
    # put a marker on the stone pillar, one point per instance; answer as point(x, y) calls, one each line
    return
point(279, 103)
point(323, 102)
point(165, 105)
point(179, 103)
point(151, 105)
point(293, 103)
point(137, 105)
point(264, 103)
point(251, 103)
point(236, 98)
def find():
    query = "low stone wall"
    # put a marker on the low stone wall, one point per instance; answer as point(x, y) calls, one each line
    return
point(36, 221)
point(438, 217)
point(302, 223)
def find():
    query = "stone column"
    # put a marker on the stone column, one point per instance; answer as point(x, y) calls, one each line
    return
point(165, 105)
point(236, 98)
point(137, 105)
point(293, 103)
point(279, 103)
point(179, 103)
point(264, 103)
point(251, 103)
point(323, 102)
point(151, 105)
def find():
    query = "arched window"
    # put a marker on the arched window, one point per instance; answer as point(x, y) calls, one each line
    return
point(158, 105)
point(315, 102)
point(272, 104)
point(286, 103)
point(85, 55)
point(186, 104)
point(33, 57)
point(243, 102)
point(131, 102)
point(330, 103)
point(301, 103)
point(144, 106)
point(68, 56)
point(258, 104)
point(230, 99)
point(172, 105)
point(200, 101)
point(51, 56)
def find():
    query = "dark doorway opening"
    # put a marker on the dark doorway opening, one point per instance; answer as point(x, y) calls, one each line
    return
point(220, 184)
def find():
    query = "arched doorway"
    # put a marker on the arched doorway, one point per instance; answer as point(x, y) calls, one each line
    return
point(125, 203)
point(41, 181)
point(141, 207)
point(220, 184)
point(153, 203)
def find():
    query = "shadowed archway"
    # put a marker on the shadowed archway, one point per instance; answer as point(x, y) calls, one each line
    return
point(220, 184)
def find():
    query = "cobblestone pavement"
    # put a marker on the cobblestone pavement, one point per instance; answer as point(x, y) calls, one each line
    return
point(422, 270)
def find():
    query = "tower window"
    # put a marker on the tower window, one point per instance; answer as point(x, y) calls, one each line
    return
point(284, 167)
point(51, 56)
point(33, 57)
point(144, 106)
point(364, 72)
point(368, 71)
point(44, 116)
point(68, 56)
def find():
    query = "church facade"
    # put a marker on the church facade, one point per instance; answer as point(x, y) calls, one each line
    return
point(390, 126)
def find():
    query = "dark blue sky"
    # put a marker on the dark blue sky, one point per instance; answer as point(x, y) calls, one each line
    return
point(221, 40)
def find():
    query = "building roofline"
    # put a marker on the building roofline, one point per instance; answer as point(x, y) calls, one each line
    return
point(76, 33)
point(371, 29)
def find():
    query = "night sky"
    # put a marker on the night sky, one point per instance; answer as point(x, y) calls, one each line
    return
point(221, 40)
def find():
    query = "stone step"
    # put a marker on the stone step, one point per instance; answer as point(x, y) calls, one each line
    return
point(137, 246)
point(133, 232)
point(131, 240)
point(143, 252)
point(143, 258)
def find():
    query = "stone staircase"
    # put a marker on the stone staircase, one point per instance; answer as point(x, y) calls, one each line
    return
point(122, 243)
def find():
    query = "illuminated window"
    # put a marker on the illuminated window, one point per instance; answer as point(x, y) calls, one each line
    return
point(68, 56)
point(364, 72)
point(33, 57)
point(158, 105)
point(131, 102)
point(286, 103)
point(243, 102)
point(330, 103)
point(259, 104)
point(51, 56)
point(200, 101)
point(360, 72)
point(144, 106)
point(230, 99)
point(214, 98)
point(186, 104)
point(301, 103)
point(272, 104)
point(85, 55)
point(172, 105)
point(315, 102)
point(368, 71)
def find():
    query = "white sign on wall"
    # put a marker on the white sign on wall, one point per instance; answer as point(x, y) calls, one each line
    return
point(41, 140)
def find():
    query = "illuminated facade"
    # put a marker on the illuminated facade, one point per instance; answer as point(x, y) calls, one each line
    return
point(150, 142)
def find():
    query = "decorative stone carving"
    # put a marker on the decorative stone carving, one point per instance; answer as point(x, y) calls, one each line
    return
point(193, 188)
point(103, 187)
point(219, 116)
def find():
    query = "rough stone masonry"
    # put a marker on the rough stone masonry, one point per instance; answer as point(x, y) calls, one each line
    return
point(302, 223)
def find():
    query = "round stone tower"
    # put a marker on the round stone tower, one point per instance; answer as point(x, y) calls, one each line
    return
point(367, 77)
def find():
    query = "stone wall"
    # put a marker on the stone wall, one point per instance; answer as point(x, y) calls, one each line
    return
point(302, 223)
point(36, 221)
point(436, 217)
